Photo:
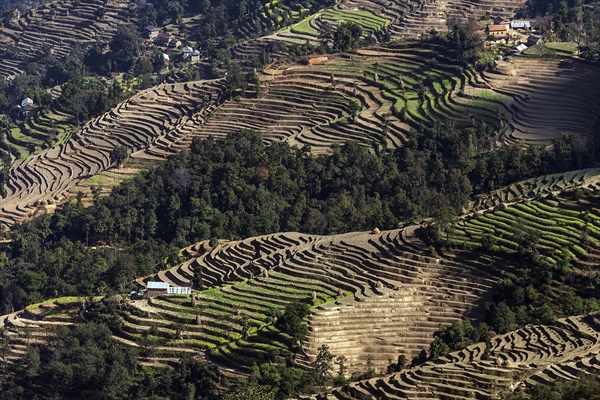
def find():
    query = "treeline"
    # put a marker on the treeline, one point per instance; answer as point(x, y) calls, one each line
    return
point(587, 387)
point(84, 93)
point(222, 17)
point(570, 20)
point(85, 362)
point(238, 187)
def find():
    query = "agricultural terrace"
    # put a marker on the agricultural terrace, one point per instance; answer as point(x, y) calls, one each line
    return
point(374, 96)
point(544, 97)
point(59, 25)
point(438, 14)
point(46, 129)
point(560, 230)
point(534, 355)
point(148, 120)
point(538, 188)
point(403, 19)
point(419, 84)
point(359, 286)
point(34, 325)
point(383, 285)
point(314, 27)
point(273, 15)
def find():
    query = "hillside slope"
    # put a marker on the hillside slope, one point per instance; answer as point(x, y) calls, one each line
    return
point(372, 296)
point(535, 354)
point(150, 118)
point(377, 97)
point(380, 277)
point(57, 27)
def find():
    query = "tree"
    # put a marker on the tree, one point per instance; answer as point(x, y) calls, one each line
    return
point(323, 365)
point(420, 359)
point(118, 155)
point(502, 318)
point(401, 364)
point(253, 392)
point(124, 47)
point(346, 36)
point(340, 361)
point(354, 109)
point(370, 370)
point(31, 362)
point(292, 321)
point(4, 347)
point(438, 349)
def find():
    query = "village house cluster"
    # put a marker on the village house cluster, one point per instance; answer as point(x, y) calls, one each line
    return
point(171, 45)
point(521, 33)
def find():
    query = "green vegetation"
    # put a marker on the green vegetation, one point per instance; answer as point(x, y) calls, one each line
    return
point(567, 47)
point(551, 239)
point(190, 198)
point(84, 361)
point(61, 301)
point(455, 337)
point(241, 324)
point(364, 18)
point(541, 50)
point(587, 387)
point(346, 36)
point(545, 230)
point(239, 187)
point(303, 27)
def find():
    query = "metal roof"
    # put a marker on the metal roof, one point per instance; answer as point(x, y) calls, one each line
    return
point(179, 290)
point(520, 24)
point(157, 285)
point(522, 47)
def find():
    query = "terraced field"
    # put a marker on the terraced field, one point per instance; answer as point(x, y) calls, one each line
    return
point(378, 277)
point(536, 354)
point(402, 19)
point(405, 19)
point(376, 96)
point(396, 89)
point(60, 25)
point(150, 119)
point(44, 130)
point(540, 187)
point(315, 27)
point(565, 225)
point(543, 98)
point(344, 277)
point(439, 14)
point(34, 326)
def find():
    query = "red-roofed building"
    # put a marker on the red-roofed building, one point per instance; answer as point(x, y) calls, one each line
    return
point(501, 30)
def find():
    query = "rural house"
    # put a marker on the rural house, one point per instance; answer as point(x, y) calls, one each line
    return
point(155, 288)
point(163, 39)
point(151, 32)
point(190, 55)
point(174, 43)
point(501, 30)
point(27, 108)
point(533, 40)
